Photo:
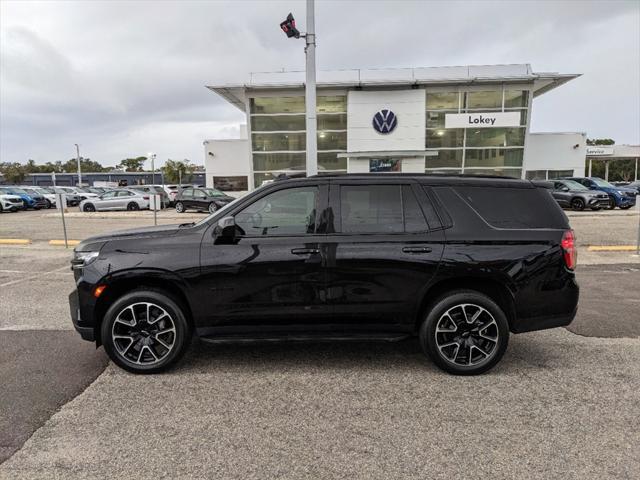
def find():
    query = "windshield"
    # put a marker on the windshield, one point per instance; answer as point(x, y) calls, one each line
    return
point(573, 185)
point(19, 190)
point(602, 183)
point(212, 192)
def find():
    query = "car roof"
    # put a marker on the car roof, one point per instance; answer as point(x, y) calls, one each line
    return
point(427, 179)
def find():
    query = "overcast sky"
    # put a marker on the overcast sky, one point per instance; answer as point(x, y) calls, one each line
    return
point(123, 78)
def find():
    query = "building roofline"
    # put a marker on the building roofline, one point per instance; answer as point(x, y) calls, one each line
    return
point(398, 77)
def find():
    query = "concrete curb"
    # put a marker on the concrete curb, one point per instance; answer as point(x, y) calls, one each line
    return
point(14, 241)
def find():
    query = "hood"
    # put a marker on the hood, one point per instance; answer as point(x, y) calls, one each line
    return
point(159, 230)
point(10, 196)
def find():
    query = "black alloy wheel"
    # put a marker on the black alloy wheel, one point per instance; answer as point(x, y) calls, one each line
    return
point(89, 207)
point(465, 333)
point(145, 331)
point(133, 206)
point(577, 204)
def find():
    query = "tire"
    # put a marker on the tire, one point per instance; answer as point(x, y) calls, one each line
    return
point(49, 204)
point(577, 204)
point(144, 353)
point(469, 353)
point(88, 207)
point(212, 207)
point(133, 206)
point(595, 208)
point(180, 207)
point(626, 207)
point(612, 204)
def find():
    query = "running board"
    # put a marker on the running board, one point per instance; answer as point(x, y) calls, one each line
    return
point(383, 337)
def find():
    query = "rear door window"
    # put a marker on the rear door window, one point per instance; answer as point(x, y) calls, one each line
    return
point(513, 207)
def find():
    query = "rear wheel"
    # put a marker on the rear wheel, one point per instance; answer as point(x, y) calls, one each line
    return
point(133, 206)
point(577, 204)
point(179, 207)
point(465, 333)
point(89, 207)
point(145, 331)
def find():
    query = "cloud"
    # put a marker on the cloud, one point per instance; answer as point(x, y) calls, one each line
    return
point(126, 77)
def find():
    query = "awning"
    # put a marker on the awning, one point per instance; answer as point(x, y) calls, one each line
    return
point(389, 153)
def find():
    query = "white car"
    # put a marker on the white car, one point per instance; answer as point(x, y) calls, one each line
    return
point(80, 192)
point(46, 193)
point(10, 203)
point(121, 199)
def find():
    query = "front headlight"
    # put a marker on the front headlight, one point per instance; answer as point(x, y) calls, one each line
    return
point(82, 259)
point(621, 192)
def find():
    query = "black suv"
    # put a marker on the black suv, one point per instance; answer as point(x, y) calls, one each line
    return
point(458, 261)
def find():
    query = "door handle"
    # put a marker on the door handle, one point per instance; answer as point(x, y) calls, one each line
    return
point(305, 251)
point(416, 249)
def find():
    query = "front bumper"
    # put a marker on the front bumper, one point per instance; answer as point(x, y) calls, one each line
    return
point(87, 333)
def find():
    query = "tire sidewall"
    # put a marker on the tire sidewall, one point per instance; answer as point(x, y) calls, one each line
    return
point(444, 303)
point(183, 331)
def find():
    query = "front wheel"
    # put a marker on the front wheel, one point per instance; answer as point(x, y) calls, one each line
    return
point(145, 331)
point(577, 204)
point(626, 207)
point(212, 207)
point(179, 207)
point(465, 333)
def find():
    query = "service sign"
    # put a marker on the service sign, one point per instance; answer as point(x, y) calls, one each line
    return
point(482, 120)
point(599, 150)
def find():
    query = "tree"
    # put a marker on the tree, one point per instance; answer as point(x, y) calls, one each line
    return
point(174, 169)
point(132, 164)
point(600, 141)
point(13, 172)
point(86, 165)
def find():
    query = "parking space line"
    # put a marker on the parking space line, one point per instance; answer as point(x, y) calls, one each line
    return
point(33, 277)
point(612, 248)
point(60, 243)
point(14, 241)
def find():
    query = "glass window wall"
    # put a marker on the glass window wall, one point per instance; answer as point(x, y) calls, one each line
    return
point(493, 157)
point(445, 158)
point(278, 141)
point(443, 101)
point(445, 138)
point(495, 137)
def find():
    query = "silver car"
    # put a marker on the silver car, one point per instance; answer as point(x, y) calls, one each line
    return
point(121, 199)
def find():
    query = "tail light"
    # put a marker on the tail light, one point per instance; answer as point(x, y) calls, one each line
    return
point(568, 244)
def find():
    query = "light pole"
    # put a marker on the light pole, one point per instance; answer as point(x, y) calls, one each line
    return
point(289, 28)
point(79, 169)
point(153, 168)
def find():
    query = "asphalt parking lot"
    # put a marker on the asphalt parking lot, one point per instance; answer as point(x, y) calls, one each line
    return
point(562, 403)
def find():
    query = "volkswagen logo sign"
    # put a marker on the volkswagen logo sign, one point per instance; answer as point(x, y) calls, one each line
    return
point(384, 121)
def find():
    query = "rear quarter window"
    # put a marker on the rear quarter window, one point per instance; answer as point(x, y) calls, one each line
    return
point(514, 208)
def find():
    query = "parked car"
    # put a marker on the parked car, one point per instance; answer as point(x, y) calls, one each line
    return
point(571, 194)
point(33, 200)
point(121, 199)
point(71, 197)
point(172, 192)
point(203, 199)
point(153, 190)
point(458, 261)
point(49, 197)
point(635, 185)
point(618, 196)
point(9, 202)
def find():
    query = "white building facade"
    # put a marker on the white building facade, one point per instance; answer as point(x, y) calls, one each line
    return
point(439, 120)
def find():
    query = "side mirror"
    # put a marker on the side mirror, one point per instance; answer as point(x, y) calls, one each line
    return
point(565, 189)
point(225, 230)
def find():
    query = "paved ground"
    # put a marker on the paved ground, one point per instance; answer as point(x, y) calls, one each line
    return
point(558, 405)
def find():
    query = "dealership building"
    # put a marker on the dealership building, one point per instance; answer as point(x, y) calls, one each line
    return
point(468, 119)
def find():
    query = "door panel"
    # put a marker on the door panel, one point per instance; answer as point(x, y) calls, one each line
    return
point(376, 280)
point(272, 277)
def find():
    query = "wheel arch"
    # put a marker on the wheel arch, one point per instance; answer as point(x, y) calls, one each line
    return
point(163, 282)
point(494, 289)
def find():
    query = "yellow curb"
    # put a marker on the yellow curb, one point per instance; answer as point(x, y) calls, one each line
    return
point(61, 242)
point(612, 248)
point(14, 241)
